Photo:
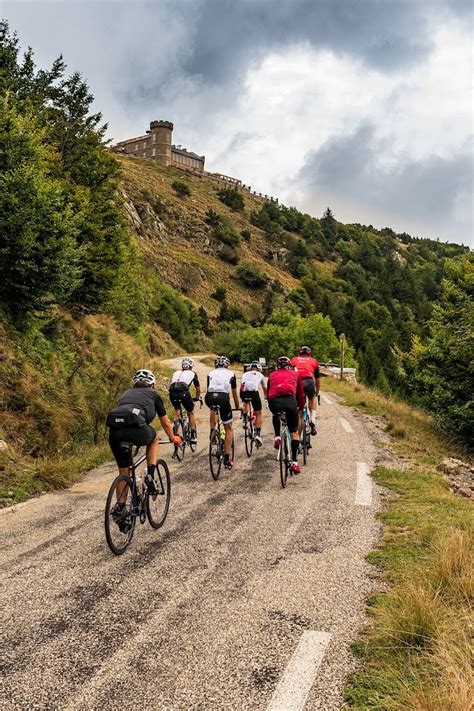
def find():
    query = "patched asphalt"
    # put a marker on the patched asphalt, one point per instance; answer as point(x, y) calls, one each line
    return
point(206, 612)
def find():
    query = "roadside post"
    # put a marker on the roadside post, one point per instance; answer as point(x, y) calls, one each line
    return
point(342, 341)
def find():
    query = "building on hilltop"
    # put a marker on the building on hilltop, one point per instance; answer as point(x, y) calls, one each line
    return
point(156, 144)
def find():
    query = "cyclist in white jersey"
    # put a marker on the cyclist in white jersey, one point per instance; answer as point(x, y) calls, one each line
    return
point(251, 381)
point(180, 395)
point(220, 383)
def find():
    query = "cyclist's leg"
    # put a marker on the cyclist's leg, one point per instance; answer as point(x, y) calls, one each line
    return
point(226, 415)
point(210, 400)
point(228, 438)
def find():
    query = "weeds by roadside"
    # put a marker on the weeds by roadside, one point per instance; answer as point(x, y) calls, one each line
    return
point(416, 651)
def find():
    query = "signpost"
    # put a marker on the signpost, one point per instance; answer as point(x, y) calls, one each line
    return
point(342, 342)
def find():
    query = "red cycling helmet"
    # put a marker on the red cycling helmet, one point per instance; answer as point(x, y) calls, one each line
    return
point(305, 350)
point(283, 362)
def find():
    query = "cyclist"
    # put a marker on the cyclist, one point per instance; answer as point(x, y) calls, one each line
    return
point(308, 367)
point(130, 421)
point(220, 382)
point(286, 394)
point(180, 395)
point(251, 380)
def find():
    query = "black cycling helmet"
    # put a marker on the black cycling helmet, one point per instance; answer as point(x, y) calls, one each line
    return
point(305, 350)
point(283, 362)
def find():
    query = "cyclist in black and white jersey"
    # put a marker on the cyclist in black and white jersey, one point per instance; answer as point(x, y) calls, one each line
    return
point(220, 383)
point(250, 383)
point(180, 395)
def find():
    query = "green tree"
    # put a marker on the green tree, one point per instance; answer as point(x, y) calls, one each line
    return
point(37, 227)
point(232, 198)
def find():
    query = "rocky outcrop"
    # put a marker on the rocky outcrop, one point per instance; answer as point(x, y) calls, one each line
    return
point(460, 475)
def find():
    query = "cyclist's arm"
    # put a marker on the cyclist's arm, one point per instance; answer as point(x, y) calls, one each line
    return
point(233, 385)
point(300, 396)
point(161, 412)
point(197, 385)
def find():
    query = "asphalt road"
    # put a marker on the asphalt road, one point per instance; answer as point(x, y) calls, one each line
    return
point(247, 598)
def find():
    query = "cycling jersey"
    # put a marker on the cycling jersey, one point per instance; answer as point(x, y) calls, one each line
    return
point(307, 366)
point(221, 380)
point(286, 382)
point(146, 399)
point(251, 381)
point(186, 377)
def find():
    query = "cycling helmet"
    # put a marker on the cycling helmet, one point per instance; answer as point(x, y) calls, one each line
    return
point(283, 362)
point(187, 363)
point(222, 362)
point(255, 364)
point(145, 376)
point(305, 350)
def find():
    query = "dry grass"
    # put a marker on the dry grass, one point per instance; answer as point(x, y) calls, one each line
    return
point(417, 649)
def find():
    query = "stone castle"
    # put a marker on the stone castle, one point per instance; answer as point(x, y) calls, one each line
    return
point(156, 144)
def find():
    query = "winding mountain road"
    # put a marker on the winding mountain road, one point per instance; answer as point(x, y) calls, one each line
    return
point(247, 598)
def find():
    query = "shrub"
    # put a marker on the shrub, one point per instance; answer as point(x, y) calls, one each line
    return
point(219, 294)
point(232, 198)
point(225, 232)
point(181, 188)
point(251, 274)
point(213, 218)
point(228, 254)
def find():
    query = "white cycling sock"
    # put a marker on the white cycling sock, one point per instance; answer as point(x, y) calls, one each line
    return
point(312, 416)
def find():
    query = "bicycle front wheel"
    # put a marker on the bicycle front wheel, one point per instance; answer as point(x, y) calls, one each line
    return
point(284, 459)
point(157, 506)
point(120, 515)
point(216, 450)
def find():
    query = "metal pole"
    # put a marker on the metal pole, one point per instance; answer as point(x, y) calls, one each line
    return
point(342, 340)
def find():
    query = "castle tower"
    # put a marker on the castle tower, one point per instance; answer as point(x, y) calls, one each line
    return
point(160, 134)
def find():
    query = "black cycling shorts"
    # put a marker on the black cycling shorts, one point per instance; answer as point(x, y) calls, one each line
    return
point(141, 436)
point(254, 397)
point(309, 387)
point(223, 400)
point(182, 398)
point(287, 404)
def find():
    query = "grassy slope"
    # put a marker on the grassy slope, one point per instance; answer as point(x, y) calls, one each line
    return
point(183, 250)
point(416, 650)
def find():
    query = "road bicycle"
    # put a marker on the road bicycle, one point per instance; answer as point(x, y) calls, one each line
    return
point(216, 445)
point(284, 450)
point(249, 427)
point(182, 429)
point(130, 498)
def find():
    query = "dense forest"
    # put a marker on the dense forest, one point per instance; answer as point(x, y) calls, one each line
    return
point(83, 297)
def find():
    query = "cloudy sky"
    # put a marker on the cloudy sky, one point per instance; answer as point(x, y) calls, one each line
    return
point(362, 105)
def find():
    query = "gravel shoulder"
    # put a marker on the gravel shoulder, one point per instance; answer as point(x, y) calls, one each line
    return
point(207, 612)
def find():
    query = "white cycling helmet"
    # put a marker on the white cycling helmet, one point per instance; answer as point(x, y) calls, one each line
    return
point(255, 364)
point(145, 376)
point(187, 363)
point(222, 362)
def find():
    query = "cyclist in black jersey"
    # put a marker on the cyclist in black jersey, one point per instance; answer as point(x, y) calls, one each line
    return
point(130, 421)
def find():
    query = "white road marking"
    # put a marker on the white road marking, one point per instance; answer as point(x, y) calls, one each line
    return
point(364, 485)
point(326, 399)
point(297, 679)
point(345, 425)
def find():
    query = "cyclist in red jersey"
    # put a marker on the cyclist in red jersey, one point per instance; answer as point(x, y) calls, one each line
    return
point(285, 394)
point(308, 367)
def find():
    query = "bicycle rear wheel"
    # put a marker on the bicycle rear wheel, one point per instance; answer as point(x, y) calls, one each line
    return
point(120, 515)
point(304, 441)
point(248, 434)
point(216, 453)
point(157, 506)
point(178, 430)
point(284, 459)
